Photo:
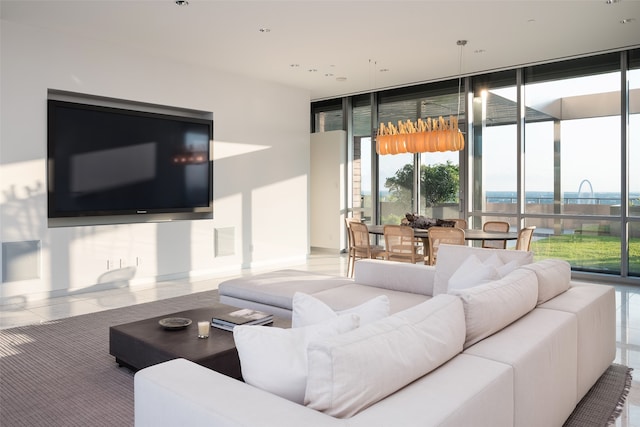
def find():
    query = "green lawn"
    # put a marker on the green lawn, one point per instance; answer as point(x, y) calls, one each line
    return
point(590, 252)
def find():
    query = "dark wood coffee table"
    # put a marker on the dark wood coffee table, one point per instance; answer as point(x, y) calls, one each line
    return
point(144, 343)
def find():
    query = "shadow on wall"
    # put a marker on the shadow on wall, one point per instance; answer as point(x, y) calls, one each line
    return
point(23, 219)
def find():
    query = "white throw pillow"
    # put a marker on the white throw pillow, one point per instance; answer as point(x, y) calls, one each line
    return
point(493, 260)
point(352, 371)
point(490, 307)
point(473, 272)
point(507, 268)
point(308, 310)
point(502, 268)
point(450, 257)
point(275, 359)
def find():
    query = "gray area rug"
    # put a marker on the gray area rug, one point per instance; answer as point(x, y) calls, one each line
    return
point(60, 373)
point(603, 403)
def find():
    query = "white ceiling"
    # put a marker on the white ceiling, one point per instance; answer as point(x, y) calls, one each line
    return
point(357, 40)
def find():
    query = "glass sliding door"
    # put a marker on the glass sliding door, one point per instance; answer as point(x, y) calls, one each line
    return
point(494, 149)
point(572, 161)
point(633, 76)
point(396, 179)
point(396, 187)
point(362, 175)
point(439, 180)
point(434, 190)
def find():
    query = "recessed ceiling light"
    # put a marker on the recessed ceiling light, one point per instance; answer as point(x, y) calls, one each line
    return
point(627, 20)
point(182, 2)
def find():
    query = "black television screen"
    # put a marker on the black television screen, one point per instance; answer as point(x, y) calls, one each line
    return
point(105, 161)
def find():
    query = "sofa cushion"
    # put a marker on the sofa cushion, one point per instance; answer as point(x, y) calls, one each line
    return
point(352, 371)
point(553, 275)
point(308, 310)
point(276, 288)
point(450, 257)
point(467, 391)
point(394, 275)
point(275, 359)
point(490, 307)
point(595, 309)
point(541, 349)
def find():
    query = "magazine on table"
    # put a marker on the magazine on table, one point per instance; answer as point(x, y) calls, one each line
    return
point(244, 316)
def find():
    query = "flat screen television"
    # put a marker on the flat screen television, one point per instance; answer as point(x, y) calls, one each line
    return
point(115, 162)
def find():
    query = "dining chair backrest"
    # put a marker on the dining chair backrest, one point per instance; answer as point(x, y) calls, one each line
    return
point(360, 236)
point(348, 222)
point(446, 235)
point(400, 243)
point(500, 226)
point(460, 223)
point(361, 246)
point(350, 248)
point(524, 238)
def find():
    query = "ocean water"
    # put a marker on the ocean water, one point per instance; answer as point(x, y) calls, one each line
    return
point(543, 197)
point(546, 197)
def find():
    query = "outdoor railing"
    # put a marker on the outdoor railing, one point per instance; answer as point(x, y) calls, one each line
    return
point(565, 200)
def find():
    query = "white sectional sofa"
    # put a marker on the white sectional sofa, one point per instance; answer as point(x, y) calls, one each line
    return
point(520, 348)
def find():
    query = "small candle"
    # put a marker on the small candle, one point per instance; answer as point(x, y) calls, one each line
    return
point(203, 329)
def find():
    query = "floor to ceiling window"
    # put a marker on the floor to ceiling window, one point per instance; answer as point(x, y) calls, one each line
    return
point(493, 148)
point(555, 146)
point(435, 190)
point(572, 161)
point(634, 162)
point(396, 182)
point(328, 116)
point(362, 176)
point(439, 182)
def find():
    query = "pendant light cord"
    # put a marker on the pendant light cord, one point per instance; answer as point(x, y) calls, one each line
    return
point(462, 44)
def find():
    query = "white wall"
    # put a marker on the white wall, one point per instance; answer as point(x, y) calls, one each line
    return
point(261, 167)
point(328, 187)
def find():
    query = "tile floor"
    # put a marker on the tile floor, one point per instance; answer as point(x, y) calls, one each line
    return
point(628, 314)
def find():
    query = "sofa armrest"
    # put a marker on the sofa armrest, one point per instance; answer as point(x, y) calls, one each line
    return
point(182, 393)
point(397, 276)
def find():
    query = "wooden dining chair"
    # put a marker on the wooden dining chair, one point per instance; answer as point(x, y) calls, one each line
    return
point(460, 223)
point(501, 226)
point(400, 244)
point(360, 246)
point(446, 235)
point(524, 238)
point(350, 249)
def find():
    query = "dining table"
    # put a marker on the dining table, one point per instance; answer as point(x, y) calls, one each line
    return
point(470, 234)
